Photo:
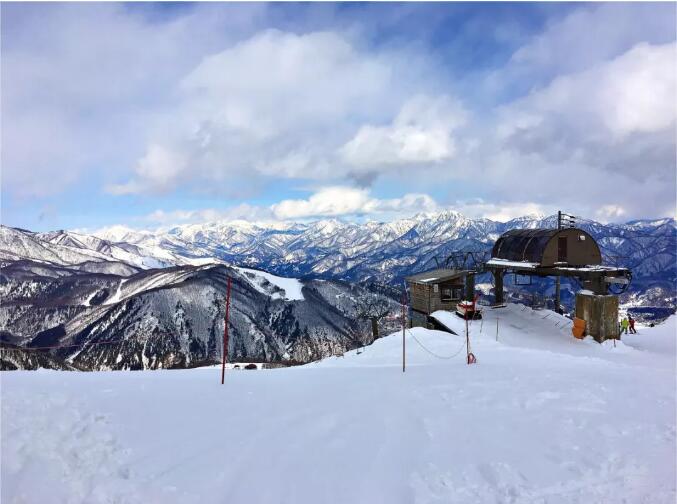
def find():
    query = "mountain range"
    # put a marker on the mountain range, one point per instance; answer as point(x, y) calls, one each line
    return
point(382, 252)
point(122, 298)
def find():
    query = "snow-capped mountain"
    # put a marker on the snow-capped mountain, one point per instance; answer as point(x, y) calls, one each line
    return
point(332, 249)
point(173, 317)
point(385, 252)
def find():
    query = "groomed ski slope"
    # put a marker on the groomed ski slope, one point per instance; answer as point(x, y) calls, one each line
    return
point(541, 418)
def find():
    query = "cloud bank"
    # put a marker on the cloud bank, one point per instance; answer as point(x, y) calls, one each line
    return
point(233, 103)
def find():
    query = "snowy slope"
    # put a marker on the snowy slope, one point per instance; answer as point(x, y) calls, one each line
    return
point(173, 317)
point(291, 287)
point(540, 418)
point(20, 244)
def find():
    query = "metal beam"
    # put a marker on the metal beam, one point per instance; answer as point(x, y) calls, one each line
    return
point(498, 285)
point(616, 280)
point(567, 272)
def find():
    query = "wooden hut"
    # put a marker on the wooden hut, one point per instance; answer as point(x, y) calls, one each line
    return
point(439, 289)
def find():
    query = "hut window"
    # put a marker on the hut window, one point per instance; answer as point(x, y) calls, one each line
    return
point(452, 293)
point(581, 237)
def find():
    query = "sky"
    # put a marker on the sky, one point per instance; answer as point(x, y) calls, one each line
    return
point(152, 115)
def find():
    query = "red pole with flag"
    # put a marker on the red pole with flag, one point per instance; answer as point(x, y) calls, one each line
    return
point(225, 335)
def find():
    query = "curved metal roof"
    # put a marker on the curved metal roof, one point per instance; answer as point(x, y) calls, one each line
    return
point(523, 244)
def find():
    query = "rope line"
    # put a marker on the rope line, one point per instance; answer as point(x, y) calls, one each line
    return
point(433, 353)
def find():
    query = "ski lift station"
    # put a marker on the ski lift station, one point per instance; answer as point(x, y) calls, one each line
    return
point(560, 252)
point(547, 247)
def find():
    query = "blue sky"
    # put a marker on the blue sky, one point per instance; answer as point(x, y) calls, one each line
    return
point(159, 114)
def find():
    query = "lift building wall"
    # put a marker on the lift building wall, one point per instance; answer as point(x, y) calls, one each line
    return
point(433, 297)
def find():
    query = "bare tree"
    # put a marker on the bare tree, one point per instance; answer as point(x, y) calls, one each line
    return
point(372, 307)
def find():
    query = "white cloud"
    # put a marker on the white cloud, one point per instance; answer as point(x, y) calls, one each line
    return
point(339, 201)
point(342, 201)
point(276, 79)
point(634, 93)
point(216, 101)
point(320, 106)
point(509, 178)
point(274, 105)
point(618, 117)
point(420, 133)
point(610, 213)
point(162, 167)
point(82, 83)
point(243, 211)
point(296, 164)
point(41, 154)
point(593, 34)
point(501, 211)
point(331, 201)
point(408, 204)
point(594, 121)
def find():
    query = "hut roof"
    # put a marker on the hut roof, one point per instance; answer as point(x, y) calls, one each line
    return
point(522, 244)
point(527, 245)
point(436, 276)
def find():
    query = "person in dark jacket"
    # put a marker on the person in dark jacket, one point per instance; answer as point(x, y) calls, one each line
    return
point(631, 324)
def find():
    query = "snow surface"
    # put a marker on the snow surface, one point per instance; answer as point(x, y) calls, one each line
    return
point(485, 288)
point(291, 286)
point(542, 417)
point(88, 301)
point(117, 296)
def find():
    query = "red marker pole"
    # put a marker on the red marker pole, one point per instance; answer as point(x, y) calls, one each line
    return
point(467, 338)
point(404, 325)
point(225, 335)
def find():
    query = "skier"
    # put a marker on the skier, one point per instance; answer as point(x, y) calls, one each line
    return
point(631, 324)
point(624, 325)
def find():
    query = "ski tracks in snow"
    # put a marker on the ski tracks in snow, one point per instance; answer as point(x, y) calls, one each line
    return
point(64, 444)
point(501, 483)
